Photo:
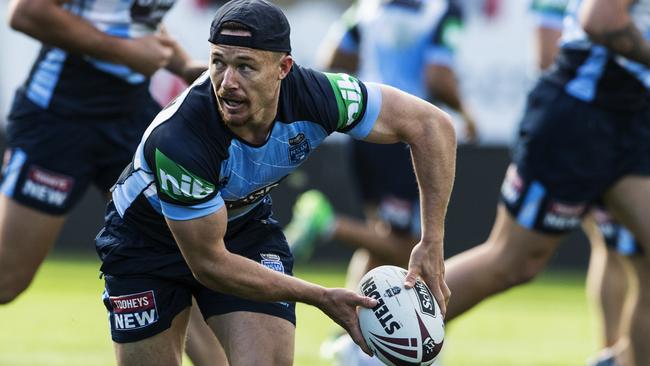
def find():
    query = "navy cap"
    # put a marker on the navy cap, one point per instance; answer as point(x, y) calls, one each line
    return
point(268, 25)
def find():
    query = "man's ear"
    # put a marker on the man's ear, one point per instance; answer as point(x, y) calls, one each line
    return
point(286, 62)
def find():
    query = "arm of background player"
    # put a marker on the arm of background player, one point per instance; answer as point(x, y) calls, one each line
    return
point(443, 86)
point(48, 22)
point(339, 60)
point(339, 51)
point(201, 242)
point(547, 48)
point(608, 22)
point(432, 139)
point(181, 64)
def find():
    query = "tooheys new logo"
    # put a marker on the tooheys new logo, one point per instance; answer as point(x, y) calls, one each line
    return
point(178, 182)
point(348, 97)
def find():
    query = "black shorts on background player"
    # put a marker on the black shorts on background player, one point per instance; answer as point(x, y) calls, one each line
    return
point(384, 176)
point(568, 153)
point(52, 159)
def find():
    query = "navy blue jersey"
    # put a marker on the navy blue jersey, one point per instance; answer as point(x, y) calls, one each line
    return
point(594, 74)
point(397, 39)
point(189, 164)
point(79, 85)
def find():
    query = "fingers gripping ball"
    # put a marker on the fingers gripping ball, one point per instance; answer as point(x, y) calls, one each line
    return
point(406, 327)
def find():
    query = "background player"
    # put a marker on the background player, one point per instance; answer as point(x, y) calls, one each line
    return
point(194, 203)
point(608, 285)
point(77, 119)
point(409, 45)
point(602, 155)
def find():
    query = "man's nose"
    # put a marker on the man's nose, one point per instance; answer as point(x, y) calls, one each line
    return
point(229, 79)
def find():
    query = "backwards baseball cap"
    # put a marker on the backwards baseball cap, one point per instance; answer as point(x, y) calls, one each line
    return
point(268, 26)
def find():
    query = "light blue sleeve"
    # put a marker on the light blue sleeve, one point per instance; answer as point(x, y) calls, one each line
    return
point(373, 106)
point(180, 212)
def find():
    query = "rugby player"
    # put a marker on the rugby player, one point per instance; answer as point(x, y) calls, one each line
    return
point(77, 120)
point(582, 141)
point(191, 215)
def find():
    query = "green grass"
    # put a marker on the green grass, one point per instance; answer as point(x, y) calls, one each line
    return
point(60, 320)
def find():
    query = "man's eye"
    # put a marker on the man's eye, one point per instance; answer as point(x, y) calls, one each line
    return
point(245, 68)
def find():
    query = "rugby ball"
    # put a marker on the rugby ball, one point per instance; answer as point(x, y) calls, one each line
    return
point(405, 328)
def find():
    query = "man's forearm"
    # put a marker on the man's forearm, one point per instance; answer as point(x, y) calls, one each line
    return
point(55, 26)
point(434, 158)
point(245, 278)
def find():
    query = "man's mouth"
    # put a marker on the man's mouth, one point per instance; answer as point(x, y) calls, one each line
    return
point(232, 103)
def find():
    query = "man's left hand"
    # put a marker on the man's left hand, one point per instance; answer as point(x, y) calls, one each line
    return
point(428, 264)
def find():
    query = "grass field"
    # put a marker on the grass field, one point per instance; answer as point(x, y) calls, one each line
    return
point(60, 320)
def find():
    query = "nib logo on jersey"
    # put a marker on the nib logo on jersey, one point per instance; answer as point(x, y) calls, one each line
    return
point(178, 182)
point(47, 187)
point(348, 97)
point(133, 311)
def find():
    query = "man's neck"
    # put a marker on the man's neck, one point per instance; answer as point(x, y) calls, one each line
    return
point(254, 133)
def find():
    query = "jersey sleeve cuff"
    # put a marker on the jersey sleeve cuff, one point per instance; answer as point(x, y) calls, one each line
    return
point(180, 213)
point(348, 44)
point(441, 56)
point(373, 106)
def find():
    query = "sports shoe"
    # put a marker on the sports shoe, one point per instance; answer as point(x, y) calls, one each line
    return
point(604, 358)
point(313, 218)
point(344, 352)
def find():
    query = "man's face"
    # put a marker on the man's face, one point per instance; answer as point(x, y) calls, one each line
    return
point(245, 80)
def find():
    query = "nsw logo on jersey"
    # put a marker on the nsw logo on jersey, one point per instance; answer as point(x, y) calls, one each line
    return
point(178, 182)
point(150, 12)
point(348, 98)
point(298, 148)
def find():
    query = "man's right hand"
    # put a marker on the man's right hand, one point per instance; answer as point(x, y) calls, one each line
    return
point(341, 305)
point(149, 53)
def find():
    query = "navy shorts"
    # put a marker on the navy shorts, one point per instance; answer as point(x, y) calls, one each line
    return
point(51, 160)
point(385, 179)
point(568, 153)
point(617, 237)
point(147, 284)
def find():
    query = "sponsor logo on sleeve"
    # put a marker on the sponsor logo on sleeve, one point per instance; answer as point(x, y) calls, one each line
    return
point(48, 187)
point(178, 182)
point(150, 12)
point(452, 30)
point(348, 97)
point(134, 311)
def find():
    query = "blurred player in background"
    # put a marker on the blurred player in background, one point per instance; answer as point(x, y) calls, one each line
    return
point(583, 140)
point(77, 120)
point(409, 45)
point(192, 214)
point(608, 285)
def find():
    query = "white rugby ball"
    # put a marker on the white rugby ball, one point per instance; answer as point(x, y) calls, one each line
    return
point(405, 328)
